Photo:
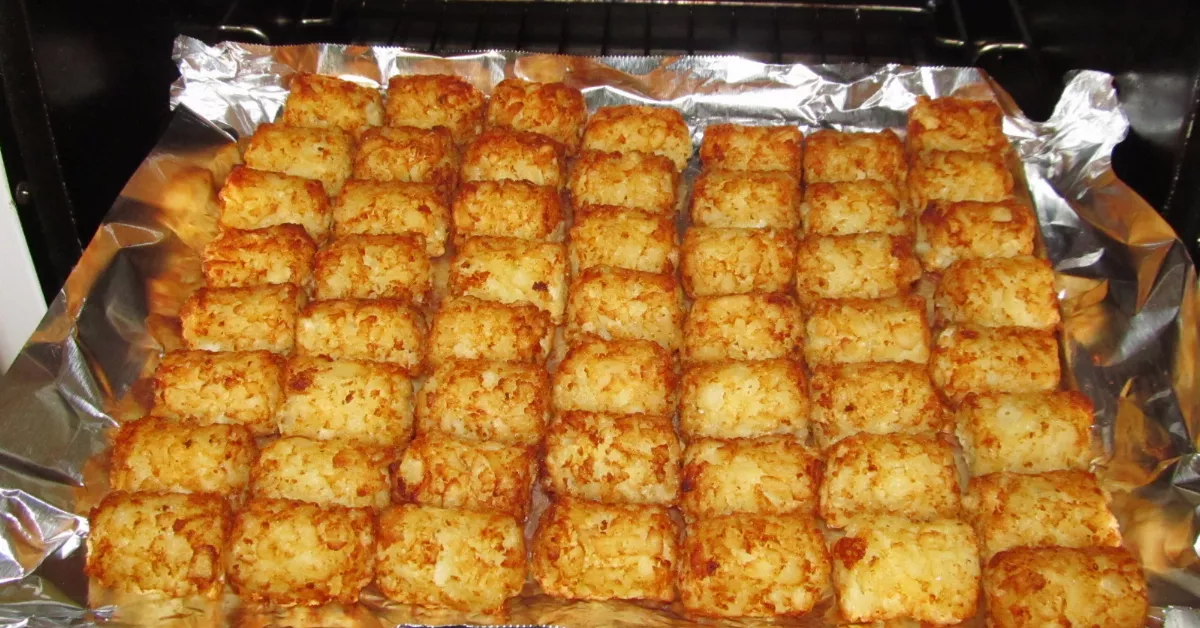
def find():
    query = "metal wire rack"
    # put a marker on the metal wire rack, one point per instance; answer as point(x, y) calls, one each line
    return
point(992, 34)
point(781, 31)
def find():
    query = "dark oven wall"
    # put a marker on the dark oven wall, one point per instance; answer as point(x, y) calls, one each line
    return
point(86, 87)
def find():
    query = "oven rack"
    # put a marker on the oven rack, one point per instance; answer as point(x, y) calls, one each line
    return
point(779, 31)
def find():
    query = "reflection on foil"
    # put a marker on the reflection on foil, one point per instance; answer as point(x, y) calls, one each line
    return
point(1126, 284)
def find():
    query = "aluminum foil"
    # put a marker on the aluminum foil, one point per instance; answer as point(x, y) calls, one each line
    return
point(1127, 288)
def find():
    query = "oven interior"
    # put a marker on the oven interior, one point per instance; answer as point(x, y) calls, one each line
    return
point(86, 84)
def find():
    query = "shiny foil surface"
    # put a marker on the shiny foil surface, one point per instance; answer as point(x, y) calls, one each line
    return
point(1126, 286)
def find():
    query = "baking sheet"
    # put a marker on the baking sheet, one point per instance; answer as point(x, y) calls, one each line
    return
point(1127, 288)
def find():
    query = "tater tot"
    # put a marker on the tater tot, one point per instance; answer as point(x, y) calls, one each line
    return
point(512, 271)
point(1053, 509)
point(956, 124)
point(874, 397)
point(326, 101)
point(514, 209)
point(737, 147)
point(613, 458)
point(257, 199)
point(737, 261)
point(770, 475)
point(435, 100)
point(747, 200)
point(439, 470)
point(947, 232)
point(257, 318)
point(889, 474)
point(634, 180)
point(994, 359)
point(863, 266)
point(1025, 433)
point(241, 388)
point(641, 129)
point(1015, 292)
point(623, 238)
point(320, 154)
point(622, 377)
point(382, 330)
point(169, 543)
point(440, 558)
point(742, 327)
point(958, 176)
point(408, 154)
point(732, 399)
point(856, 330)
point(157, 454)
point(850, 207)
point(466, 328)
point(272, 255)
point(389, 208)
point(374, 267)
point(367, 402)
point(481, 400)
point(291, 553)
point(1059, 586)
point(505, 154)
point(621, 304)
point(753, 566)
point(326, 472)
point(833, 156)
point(588, 551)
point(551, 109)
point(887, 568)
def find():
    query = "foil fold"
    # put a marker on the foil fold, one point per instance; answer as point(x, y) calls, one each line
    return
point(1126, 285)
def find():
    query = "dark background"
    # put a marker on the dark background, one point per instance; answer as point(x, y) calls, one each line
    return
point(85, 85)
